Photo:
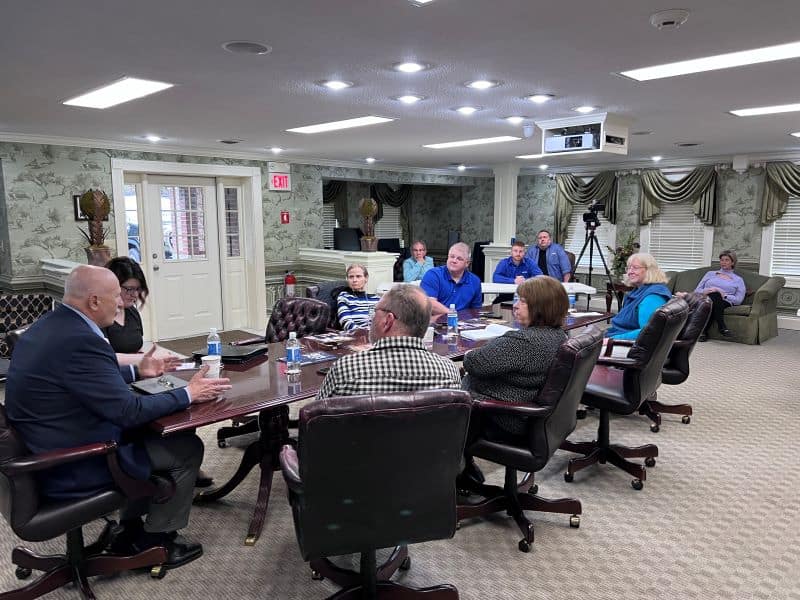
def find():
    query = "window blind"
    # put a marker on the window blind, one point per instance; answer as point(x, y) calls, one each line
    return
point(606, 234)
point(677, 238)
point(786, 242)
point(329, 223)
point(389, 225)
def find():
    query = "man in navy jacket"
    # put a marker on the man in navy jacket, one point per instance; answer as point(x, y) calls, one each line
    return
point(66, 389)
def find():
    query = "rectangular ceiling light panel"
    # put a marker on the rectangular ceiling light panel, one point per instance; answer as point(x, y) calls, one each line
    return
point(476, 142)
point(765, 110)
point(714, 63)
point(335, 125)
point(118, 92)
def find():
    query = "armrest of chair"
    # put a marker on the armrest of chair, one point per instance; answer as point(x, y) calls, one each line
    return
point(46, 460)
point(611, 342)
point(766, 294)
point(623, 362)
point(291, 469)
point(521, 410)
point(248, 341)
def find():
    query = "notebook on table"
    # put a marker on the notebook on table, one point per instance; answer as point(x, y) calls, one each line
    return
point(235, 354)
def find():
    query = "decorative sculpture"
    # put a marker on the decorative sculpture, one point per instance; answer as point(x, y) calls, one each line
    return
point(96, 205)
point(368, 209)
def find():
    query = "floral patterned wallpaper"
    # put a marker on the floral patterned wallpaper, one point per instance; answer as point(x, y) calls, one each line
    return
point(477, 211)
point(435, 210)
point(738, 226)
point(5, 242)
point(535, 200)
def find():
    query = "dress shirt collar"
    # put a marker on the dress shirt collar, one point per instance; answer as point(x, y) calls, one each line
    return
point(92, 325)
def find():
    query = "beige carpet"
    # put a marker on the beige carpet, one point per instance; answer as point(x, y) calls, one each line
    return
point(717, 517)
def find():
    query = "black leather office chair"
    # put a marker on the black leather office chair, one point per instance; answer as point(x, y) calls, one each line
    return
point(35, 518)
point(550, 421)
point(328, 292)
point(621, 385)
point(341, 505)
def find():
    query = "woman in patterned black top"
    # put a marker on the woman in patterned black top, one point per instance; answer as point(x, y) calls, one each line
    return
point(354, 304)
point(513, 368)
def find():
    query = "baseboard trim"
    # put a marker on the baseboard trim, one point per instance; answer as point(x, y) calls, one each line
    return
point(789, 323)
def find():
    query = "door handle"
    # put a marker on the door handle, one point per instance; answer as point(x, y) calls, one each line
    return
point(155, 267)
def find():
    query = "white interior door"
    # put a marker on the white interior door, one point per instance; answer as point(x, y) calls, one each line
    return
point(183, 247)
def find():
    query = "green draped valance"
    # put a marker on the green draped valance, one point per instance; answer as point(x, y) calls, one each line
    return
point(570, 190)
point(699, 187)
point(782, 181)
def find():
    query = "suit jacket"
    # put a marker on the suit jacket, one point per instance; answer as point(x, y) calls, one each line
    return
point(65, 389)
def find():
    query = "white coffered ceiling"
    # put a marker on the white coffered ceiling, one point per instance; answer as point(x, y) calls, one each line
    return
point(51, 50)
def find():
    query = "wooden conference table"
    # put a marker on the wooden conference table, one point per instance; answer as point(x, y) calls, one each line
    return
point(262, 386)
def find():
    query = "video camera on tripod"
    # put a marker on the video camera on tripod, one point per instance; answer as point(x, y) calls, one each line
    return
point(590, 217)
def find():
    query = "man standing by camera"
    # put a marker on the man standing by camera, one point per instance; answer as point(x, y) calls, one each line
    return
point(550, 257)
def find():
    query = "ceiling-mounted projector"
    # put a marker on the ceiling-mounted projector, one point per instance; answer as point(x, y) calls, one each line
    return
point(599, 132)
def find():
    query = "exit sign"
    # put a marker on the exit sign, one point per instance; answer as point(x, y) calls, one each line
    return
point(280, 182)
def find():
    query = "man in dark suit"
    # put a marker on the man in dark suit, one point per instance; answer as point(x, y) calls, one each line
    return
point(65, 389)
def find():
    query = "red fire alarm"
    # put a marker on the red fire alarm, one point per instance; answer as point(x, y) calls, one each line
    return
point(284, 217)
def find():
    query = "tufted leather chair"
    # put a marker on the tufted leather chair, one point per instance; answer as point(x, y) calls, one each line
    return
point(419, 438)
point(550, 421)
point(620, 385)
point(328, 292)
point(35, 518)
point(19, 311)
point(676, 369)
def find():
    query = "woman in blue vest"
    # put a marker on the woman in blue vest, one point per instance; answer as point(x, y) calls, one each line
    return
point(649, 294)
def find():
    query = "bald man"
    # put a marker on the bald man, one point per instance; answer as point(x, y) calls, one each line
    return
point(66, 389)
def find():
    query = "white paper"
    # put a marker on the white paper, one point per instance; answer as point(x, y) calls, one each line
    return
point(492, 331)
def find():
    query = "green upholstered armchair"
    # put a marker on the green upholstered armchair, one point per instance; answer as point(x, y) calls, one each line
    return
point(752, 322)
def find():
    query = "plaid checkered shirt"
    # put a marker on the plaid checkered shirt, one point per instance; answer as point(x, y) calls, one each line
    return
point(393, 364)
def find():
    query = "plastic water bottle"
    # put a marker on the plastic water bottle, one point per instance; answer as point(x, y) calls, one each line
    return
point(214, 343)
point(516, 299)
point(571, 303)
point(293, 353)
point(452, 322)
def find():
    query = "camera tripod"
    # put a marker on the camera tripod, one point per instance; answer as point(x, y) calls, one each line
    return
point(591, 243)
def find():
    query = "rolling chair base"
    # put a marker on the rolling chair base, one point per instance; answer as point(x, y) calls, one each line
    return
point(612, 453)
point(652, 409)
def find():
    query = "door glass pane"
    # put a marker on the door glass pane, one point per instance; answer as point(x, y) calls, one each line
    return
point(183, 222)
point(132, 222)
point(232, 228)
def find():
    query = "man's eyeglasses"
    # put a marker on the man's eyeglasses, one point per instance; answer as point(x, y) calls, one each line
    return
point(131, 291)
point(377, 308)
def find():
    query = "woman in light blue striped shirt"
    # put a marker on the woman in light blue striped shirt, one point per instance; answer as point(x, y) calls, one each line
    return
point(354, 304)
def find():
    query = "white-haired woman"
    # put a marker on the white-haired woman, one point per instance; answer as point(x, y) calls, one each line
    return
point(649, 295)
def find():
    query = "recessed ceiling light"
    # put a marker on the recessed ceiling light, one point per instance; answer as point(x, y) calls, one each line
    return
point(543, 167)
point(656, 158)
point(643, 132)
point(370, 159)
point(467, 110)
point(529, 156)
point(241, 47)
point(420, 2)
point(539, 98)
point(410, 67)
point(409, 99)
point(515, 120)
point(475, 142)
point(230, 141)
point(346, 124)
point(796, 134)
point(482, 84)
point(584, 109)
point(336, 84)
point(153, 138)
point(765, 110)
point(714, 63)
point(462, 167)
point(276, 150)
point(124, 90)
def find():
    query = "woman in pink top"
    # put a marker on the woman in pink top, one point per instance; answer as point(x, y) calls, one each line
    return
point(725, 288)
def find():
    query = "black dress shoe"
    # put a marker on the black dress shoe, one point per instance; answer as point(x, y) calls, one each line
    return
point(203, 480)
point(181, 553)
point(703, 338)
point(726, 332)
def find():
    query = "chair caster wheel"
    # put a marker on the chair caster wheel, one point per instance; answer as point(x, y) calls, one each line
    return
point(250, 540)
point(222, 443)
point(568, 477)
point(524, 546)
point(686, 419)
point(458, 525)
point(655, 428)
point(406, 564)
point(637, 484)
point(580, 413)
point(575, 521)
point(649, 462)
point(534, 489)
point(23, 572)
point(158, 572)
point(316, 575)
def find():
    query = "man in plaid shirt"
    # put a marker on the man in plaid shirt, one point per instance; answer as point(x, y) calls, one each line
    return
point(398, 360)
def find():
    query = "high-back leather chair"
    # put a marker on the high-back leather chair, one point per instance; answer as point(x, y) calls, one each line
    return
point(676, 369)
point(35, 518)
point(549, 422)
point(328, 292)
point(620, 385)
point(341, 504)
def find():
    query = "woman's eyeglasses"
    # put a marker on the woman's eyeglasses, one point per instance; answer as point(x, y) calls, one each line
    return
point(131, 291)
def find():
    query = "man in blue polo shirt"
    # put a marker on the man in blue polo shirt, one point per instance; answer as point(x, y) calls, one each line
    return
point(452, 283)
point(550, 257)
point(514, 269)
